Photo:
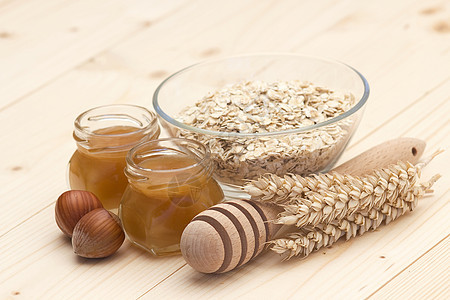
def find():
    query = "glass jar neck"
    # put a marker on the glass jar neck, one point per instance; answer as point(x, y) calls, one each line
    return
point(114, 128)
point(171, 160)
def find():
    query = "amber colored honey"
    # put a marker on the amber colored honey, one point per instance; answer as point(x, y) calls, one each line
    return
point(155, 212)
point(102, 171)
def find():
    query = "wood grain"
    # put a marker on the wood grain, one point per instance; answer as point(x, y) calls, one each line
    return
point(381, 156)
point(59, 58)
point(432, 267)
point(51, 37)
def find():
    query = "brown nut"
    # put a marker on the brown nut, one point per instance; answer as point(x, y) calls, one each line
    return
point(98, 234)
point(71, 206)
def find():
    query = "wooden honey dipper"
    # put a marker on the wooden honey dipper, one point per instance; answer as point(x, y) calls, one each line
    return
point(229, 234)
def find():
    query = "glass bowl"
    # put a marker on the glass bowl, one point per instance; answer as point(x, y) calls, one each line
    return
point(245, 155)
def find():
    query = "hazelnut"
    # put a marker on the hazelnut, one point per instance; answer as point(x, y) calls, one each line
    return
point(71, 206)
point(97, 234)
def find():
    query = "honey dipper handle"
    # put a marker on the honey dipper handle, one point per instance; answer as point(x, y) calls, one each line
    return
point(382, 155)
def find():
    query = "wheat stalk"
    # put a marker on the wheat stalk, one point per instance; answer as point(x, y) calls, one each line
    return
point(282, 189)
point(326, 207)
point(310, 238)
point(325, 197)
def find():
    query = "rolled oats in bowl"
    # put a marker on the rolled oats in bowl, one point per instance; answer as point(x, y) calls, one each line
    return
point(259, 124)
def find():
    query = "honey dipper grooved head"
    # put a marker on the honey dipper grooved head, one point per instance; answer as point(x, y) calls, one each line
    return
point(227, 235)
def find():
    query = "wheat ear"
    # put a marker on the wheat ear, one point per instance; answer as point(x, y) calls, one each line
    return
point(311, 238)
point(325, 197)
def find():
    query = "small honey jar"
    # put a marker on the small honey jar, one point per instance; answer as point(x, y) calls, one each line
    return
point(104, 135)
point(170, 182)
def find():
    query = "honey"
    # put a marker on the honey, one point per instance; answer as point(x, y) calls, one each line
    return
point(170, 182)
point(104, 135)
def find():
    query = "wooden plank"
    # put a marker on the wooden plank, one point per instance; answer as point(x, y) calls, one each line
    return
point(413, 121)
point(324, 25)
point(40, 40)
point(37, 262)
point(425, 278)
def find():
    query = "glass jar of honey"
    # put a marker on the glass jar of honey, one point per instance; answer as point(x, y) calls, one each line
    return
point(170, 182)
point(104, 135)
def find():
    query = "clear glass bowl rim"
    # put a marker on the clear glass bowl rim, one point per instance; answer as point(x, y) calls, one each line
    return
point(354, 109)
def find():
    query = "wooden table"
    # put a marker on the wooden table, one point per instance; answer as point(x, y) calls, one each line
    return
point(60, 57)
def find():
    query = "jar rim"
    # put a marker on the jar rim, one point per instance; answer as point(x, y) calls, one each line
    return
point(152, 119)
point(136, 168)
point(87, 125)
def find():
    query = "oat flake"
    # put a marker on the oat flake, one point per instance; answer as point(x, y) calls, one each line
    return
point(261, 107)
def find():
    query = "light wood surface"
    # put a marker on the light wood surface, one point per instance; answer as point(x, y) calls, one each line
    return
point(59, 58)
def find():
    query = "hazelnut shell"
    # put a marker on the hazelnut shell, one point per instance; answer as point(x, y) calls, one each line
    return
point(98, 234)
point(71, 206)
